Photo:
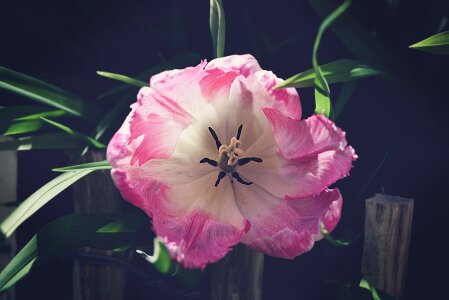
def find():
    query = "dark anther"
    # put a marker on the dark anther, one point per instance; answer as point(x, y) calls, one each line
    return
point(239, 132)
point(209, 161)
point(221, 175)
point(244, 161)
point(215, 137)
point(240, 179)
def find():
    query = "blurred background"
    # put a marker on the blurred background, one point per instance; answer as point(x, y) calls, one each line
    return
point(399, 126)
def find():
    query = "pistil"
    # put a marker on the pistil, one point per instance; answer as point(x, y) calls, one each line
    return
point(229, 158)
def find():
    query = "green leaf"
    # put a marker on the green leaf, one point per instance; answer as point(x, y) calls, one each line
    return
point(178, 61)
point(105, 123)
point(322, 92)
point(366, 285)
point(161, 258)
point(77, 134)
point(217, 27)
point(43, 141)
point(25, 112)
point(336, 242)
point(24, 127)
point(123, 78)
point(45, 93)
point(98, 230)
point(45, 114)
point(38, 199)
point(100, 165)
point(356, 37)
point(438, 44)
point(341, 70)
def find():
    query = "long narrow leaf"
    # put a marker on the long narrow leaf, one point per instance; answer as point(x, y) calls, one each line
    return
point(217, 27)
point(45, 114)
point(44, 141)
point(438, 44)
point(45, 93)
point(77, 134)
point(178, 61)
point(24, 127)
point(322, 92)
point(358, 39)
point(123, 78)
point(99, 230)
point(341, 70)
point(100, 165)
point(38, 199)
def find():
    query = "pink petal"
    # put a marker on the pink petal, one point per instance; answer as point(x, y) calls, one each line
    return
point(245, 64)
point(199, 222)
point(286, 228)
point(286, 99)
point(312, 155)
point(157, 121)
point(216, 84)
point(305, 138)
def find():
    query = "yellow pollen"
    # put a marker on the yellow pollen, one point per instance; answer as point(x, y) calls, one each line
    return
point(233, 152)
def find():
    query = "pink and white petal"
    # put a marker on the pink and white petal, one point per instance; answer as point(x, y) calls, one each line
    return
point(247, 98)
point(282, 228)
point(245, 64)
point(304, 138)
point(285, 100)
point(156, 122)
point(181, 86)
point(299, 178)
point(216, 83)
point(199, 222)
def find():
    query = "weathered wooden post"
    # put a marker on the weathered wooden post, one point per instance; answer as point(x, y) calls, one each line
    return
point(388, 224)
point(238, 276)
point(97, 193)
point(8, 195)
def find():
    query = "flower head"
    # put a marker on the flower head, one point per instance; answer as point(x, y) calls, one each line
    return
point(217, 156)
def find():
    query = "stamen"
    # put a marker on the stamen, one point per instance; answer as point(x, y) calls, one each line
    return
point(209, 161)
point(239, 132)
point(221, 175)
point(240, 179)
point(232, 152)
point(244, 161)
point(215, 137)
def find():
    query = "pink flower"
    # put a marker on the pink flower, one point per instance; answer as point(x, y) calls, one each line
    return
point(216, 156)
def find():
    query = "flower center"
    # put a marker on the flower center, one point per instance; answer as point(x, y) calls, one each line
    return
point(229, 158)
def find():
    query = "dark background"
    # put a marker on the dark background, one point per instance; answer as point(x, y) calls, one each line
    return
point(404, 119)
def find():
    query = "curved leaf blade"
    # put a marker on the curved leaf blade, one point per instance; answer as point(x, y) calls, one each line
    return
point(437, 44)
point(45, 93)
point(98, 230)
point(179, 61)
point(322, 92)
point(217, 27)
point(77, 134)
point(38, 199)
point(122, 78)
point(24, 127)
point(342, 70)
point(100, 165)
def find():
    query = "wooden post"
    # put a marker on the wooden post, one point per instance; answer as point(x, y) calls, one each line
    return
point(8, 190)
point(97, 193)
point(388, 224)
point(238, 276)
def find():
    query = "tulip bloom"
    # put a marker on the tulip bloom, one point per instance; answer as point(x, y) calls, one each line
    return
point(216, 156)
